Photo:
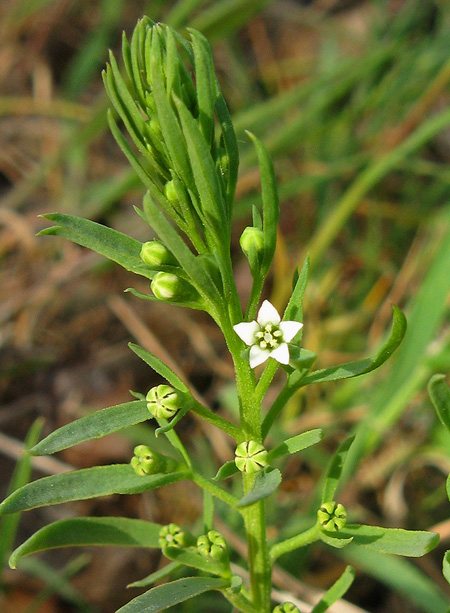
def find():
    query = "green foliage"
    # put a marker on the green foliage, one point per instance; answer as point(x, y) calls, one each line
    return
point(171, 121)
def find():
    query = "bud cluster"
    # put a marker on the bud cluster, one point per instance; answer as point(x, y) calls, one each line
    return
point(332, 516)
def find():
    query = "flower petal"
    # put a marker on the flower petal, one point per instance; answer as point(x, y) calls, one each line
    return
point(281, 354)
point(290, 329)
point(246, 331)
point(268, 314)
point(258, 355)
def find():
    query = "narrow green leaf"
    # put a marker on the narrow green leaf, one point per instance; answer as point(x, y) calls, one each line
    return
point(170, 594)
point(110, 243)
point(162, 573)
point(439, 393)
point(361, 367)
point(271, 204)
point(448, 487)
point(204, 171)
point(230, 142)
point(128, 151)
point(172, 135)
point(409, 543)
point(205, 81)
point(158, 366)
point(336, 591)
point(295, 444)
point(84, 484)
point(335, 470)
point(294, 311)
point(193, 559)
point(446, 565)
point(87, 531)
point(226, 471)
point(98, 424)
point(266, 482)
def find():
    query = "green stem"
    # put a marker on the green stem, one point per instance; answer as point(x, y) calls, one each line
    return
point(266, 379)
point(258, 554)
point(217, 421)
point(214, 489)
point(300, 540)
point(238, 601)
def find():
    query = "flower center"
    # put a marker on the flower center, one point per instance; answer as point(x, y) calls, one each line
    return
point(269, 336)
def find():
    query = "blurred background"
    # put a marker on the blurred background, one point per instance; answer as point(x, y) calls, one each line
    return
point(352, 99)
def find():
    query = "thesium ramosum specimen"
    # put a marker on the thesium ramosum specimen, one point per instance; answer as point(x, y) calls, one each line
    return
point(180, 141)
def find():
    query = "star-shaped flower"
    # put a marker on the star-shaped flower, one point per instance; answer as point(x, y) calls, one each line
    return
point(268, 336)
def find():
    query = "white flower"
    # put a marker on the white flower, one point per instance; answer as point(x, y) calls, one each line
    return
point(268, 336)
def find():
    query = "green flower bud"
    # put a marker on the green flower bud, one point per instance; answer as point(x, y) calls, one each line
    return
point(170, 192)
point(155, 254)
point(332, 516)
point(174, 536)
point(148, 462)
point(252, 239)
point(212, 544)
point(251, 457)
point(167, 286)
point(286, 607)
point(163, 401)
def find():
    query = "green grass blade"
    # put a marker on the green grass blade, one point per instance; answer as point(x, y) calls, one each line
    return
point(21, 476)
point(334, 471)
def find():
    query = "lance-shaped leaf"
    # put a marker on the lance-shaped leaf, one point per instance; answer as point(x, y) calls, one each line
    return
point(173, 137)
point(266, 482)
point(205, 81)
point(271, 204)
point(170, 594)
point(396, 541)
point(361, 367)
point(446, 565)
point(334, 471)
point(230, 142)
point(294, 307)
point(440, 397)
point(110, 243)
point(332, 539)
point(84, 484)
point(204, 171)
point(295, 444)
point(87, 531)
point(336, 591)
point(98, 424)
point(190, 557)
point(158, 575)
point(158, 366)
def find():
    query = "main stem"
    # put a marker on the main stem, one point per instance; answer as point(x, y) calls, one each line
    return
point(259, 561)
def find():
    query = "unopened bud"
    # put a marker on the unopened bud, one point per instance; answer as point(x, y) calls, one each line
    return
point(163, 401)
point(251, 457)
point(332, 516)
point(170, 192)
point(155, 254)
point(212, 544)
point(167, 286)
point(286, 607)
point(147, 462)
point(252, 239)
point(174, 536)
